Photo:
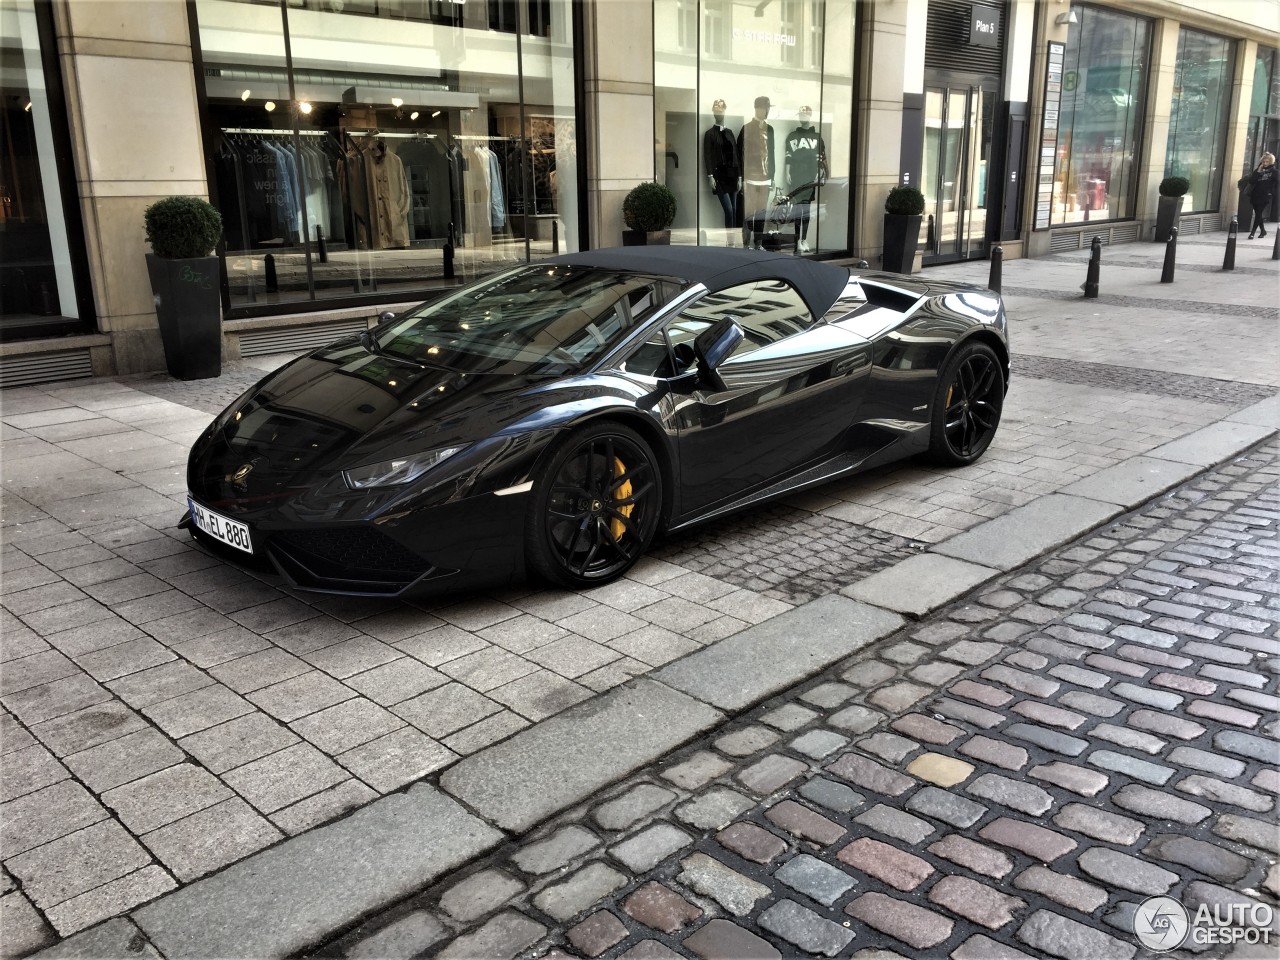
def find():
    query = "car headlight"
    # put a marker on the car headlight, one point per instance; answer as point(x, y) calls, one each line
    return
point(401, 470)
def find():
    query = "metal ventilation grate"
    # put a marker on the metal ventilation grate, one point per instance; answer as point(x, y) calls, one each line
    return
point(293, 339)
point(1124, 233)
point(1061, 241)
point(1188, 226)
point(45, 368)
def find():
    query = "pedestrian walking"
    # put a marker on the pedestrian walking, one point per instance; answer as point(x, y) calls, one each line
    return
point(1262, 192)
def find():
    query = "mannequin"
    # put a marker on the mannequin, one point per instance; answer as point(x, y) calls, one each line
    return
point(756, 159)
point(720, 161)
point(806, 162)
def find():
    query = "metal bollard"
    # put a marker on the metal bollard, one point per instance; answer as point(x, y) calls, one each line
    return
point(448, 255)
point(997, 261)
point(1229, 258)
point(1095, 265)
point(322, 251)
point(1170, 254)
point(270, 281)
point(1275, 246)
point(555, 236)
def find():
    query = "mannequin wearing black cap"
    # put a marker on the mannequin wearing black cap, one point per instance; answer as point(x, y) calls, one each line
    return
point(720, 161)
point(756, 158)
point(806, 162)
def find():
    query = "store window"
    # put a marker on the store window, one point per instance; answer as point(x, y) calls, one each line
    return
point(377, 149)
point(1264, 110)
point(1198, 117)
point(754, 131)
point(1100, 118)
point(37, 281)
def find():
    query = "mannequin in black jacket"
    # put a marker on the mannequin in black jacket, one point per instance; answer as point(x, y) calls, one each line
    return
point(1262, 192)
point(720, 162)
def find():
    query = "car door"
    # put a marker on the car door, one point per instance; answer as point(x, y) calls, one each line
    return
point(792, 392)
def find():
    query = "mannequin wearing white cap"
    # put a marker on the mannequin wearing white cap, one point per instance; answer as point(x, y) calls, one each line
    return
point(720, 163)
point(756, 157)
point(806, 162)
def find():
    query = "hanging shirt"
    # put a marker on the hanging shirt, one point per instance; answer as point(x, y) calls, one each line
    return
point(806, 157)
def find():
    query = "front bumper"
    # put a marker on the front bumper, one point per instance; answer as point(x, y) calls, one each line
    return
point(476, 540)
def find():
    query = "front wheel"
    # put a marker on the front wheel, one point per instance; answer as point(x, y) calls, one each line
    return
point(966, 408)
point(596, 509)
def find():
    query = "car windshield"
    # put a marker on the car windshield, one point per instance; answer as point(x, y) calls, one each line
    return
point(552, 318)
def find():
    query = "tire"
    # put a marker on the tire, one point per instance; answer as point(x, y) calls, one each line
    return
point(596, 507)
point(967, 405)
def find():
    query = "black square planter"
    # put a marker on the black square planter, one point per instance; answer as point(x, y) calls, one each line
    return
point(189, 309)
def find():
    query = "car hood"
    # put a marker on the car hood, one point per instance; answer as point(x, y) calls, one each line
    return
point(343, 406)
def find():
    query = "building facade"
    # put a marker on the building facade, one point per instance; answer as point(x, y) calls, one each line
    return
point(366, 154)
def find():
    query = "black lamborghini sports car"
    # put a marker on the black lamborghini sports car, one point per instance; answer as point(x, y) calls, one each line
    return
point(552, 419)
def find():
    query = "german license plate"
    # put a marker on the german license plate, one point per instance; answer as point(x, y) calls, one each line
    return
point(231, 532)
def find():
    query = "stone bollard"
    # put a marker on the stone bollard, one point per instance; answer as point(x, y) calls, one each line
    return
point(270, 282)
point(555, 236)
point(1095, 265)
point(1170, 254)
point(1229, 258)
point(1275, 246)
point(997, 260)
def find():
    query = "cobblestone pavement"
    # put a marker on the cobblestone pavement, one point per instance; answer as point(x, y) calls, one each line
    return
point(1009, 777)
point(166, 715)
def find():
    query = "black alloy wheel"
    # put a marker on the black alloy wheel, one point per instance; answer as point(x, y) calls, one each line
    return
point(597, 507)
point(966, 409)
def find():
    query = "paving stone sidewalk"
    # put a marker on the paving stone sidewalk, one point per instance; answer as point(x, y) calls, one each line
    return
point(1009, 777)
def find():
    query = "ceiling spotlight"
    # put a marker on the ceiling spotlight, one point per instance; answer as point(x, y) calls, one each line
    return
point(397, 102)
point(436, 114)
point(414, 115)
point(269, 106)
point(245, 95)
point(304, 107)
point(27, 108)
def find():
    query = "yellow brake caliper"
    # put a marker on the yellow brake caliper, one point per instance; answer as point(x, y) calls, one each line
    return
point(616, 527)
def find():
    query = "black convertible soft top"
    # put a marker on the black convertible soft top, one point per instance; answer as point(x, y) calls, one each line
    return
point(719, 267)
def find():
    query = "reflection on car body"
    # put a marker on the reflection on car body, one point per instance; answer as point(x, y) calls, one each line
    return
point(552, 420)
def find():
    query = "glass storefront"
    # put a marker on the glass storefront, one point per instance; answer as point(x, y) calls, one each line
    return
point(1100, 119)
point(753, 106)
point(1198, 116)
point(379, 147)
point(37, 286)
point(1264, 110)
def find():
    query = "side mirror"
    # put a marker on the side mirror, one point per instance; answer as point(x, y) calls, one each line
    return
point(715, 345)
point(386, 315)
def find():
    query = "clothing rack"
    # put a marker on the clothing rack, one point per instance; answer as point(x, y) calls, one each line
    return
point(277, 133)
point(390, 133)
point(472, 136)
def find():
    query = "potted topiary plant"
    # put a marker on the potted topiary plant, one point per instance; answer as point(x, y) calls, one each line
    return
point(902, 214)
point(182, 232)
point(648, 210)
point(1172, 192)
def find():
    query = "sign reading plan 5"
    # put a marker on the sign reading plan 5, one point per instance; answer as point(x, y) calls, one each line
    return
point(231, 532)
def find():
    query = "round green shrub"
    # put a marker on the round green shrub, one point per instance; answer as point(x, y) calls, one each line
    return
point(649, 207)
point(904, 200)
point(1174, 186)
point(182, 228)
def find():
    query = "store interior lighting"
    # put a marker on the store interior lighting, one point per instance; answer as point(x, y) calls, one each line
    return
point(304, 107)
point(269, 106)
point(414, 115)
point(245, 95)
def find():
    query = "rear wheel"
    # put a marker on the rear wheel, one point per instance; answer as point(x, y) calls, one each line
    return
point(966, 408)
point(596, 509)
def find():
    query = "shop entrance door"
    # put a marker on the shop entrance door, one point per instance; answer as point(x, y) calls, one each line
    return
point(956, 174)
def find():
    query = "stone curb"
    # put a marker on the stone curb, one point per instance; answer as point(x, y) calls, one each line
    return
point(921, 584)
point(291, 896)
point(772, 656)
point(550, 766)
